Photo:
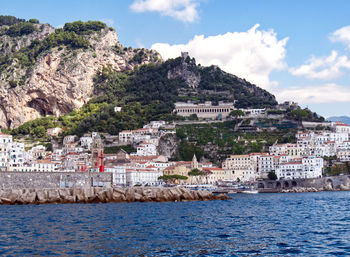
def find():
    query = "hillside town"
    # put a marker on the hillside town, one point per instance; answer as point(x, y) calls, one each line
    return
point(304, 159)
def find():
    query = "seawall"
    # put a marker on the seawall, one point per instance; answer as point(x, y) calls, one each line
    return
point(41, 180)
point(104, 195)
point(329, 183)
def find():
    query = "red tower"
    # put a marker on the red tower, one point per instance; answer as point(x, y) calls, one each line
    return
point(102, 168)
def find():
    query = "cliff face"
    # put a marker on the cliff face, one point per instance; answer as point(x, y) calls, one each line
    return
point(9, 45)
point(61, 80)
point(186, 71)
point(168, 145)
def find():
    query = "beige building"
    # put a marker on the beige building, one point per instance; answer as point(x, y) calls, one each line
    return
point(293, 150)
point(211, 175)
point(214, 174)
point(177, 170)
point(206, 110)
point(241, 167)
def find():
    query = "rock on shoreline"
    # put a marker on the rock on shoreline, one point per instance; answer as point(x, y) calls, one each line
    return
point(301, 190)
point(104, 195)
point(314, 189)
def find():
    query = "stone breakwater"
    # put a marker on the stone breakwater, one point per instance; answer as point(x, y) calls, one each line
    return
point(302, 190)
point(104, 195)
point(314, 189)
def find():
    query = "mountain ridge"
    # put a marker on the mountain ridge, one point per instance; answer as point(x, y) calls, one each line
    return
point(77, 74)
point(343, 119)
point(53, 75)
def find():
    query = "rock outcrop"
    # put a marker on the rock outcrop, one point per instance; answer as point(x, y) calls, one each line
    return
point(9, 45)
point(62, 78)
point(301, 190)
point(168, 145)
point(186, 72)
point(104, 195)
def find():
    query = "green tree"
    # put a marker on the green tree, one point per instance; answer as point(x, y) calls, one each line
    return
point(193, 117)
point(39, 131)
point(196, 172)
point(236, 113)
point(187, 150)
point(180, 133)
point(272, 175)
point(172, 178)
point(35, 21)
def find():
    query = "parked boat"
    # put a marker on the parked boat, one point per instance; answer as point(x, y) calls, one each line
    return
point(201, 187)
point(249, 191)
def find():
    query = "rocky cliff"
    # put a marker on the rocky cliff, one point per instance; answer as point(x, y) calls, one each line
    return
point(61, 78)
point(12, 44)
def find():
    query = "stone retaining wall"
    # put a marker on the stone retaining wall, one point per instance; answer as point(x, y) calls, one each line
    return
point(103, 195)
point(39, 180)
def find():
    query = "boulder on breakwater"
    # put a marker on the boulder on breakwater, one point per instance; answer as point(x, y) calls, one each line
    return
point(301, 190)
point(104, 195)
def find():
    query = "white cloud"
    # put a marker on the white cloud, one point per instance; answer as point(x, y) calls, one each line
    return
point(341, 35)
point(329, 93)
point(252, 55)
point(323, 68)
point(329, 67)
point(183, 10)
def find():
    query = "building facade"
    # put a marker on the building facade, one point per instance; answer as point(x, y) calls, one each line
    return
point(206, 110)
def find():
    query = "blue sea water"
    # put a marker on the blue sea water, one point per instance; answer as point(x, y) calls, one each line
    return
point(306, 224)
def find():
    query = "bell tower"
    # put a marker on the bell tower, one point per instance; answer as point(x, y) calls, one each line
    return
point(97, 152)
point(194, 163)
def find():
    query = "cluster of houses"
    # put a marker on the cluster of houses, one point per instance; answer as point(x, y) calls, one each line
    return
point(304, 159)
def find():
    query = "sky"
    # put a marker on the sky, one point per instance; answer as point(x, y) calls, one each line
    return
point(297, 50)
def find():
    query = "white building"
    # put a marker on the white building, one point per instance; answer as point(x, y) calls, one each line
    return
point(307, 167)
point(118, 173)
point(161, 165)
point(289, 149)
point(5, 138)
point(86, 142)
point(126, 136)
point(143, 176)
point(16, 154)
point(76, 162)
point(344, 155)
point(57, 154)
point(38, 151)
point(141, 138)
point(254, 112)
point(155, 124)
point(53, 131)
point(41, 166)
point(69, 139)
point(117, 109)
point(146, 149)
point(265, 165)
point(4, 156)
point(340, 127)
